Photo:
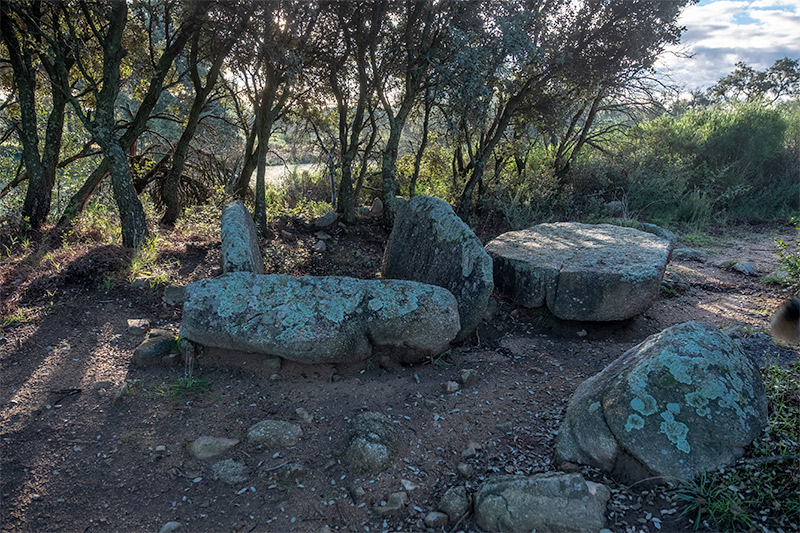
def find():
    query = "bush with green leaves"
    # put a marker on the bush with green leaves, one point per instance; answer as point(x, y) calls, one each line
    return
point(722, 162)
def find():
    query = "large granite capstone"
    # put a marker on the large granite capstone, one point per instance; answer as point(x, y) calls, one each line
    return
point(320, 319)
point(240, 251)
point(430, 244)
point(581, 271)
point(684, 401)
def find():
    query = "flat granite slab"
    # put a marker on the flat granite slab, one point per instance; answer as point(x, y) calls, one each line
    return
point(593, 272)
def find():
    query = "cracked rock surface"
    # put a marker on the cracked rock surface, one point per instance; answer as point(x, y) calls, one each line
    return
point(326, 319)
point(581, 271)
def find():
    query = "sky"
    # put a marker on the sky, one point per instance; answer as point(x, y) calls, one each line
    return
point(721, 32)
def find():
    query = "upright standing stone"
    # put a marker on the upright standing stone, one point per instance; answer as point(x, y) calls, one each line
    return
point(240, 251)
point(429, 243)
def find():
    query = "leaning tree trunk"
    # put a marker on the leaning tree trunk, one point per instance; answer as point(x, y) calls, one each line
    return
point(79, 200)
point(171, 190)
point(465, 202)
point(138, 125)
point(172, 181)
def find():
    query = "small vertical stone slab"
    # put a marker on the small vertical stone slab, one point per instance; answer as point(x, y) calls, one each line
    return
point(240, 250)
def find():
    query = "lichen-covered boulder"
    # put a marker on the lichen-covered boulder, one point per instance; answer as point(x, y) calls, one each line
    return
point(320, 319)
point(684, 401)
point(581, 271)
point(429, 243)
point(544, 502)
point(240, 251)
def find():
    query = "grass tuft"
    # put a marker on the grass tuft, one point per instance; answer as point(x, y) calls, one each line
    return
point(760, 491)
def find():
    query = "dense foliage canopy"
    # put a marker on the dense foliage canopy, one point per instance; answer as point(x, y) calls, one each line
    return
point(515, 105)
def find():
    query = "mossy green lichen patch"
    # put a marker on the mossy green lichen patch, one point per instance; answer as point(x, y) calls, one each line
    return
point(675, 431)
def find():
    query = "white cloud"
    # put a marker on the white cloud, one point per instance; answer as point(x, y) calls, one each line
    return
point(718, 34)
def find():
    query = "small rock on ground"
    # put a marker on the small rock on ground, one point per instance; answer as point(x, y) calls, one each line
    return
point(169, 527)
point(138, 325)
point(435, 519)
point(454, 502)
point(274, 434)
point(206, 447)
point(395, 505)
point(159, 342)
point(230, 471)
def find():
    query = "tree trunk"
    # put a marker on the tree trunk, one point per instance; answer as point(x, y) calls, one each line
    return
point(241, 184)
point(412, 187)
point(33, 209)
point(389, 161)
point(171, 189)
point(137, 126)
point(465, 202)
point(261, 188)
point(346, 203)
point(486, 147)
point(172, 181)
point(388, 171)
point(131, 213)
point(52, 149)
point(79, 200)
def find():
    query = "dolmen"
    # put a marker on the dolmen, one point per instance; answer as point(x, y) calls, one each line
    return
point(581, 271)
point(436, 287)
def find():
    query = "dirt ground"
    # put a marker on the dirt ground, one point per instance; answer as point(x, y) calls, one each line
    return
point(74, 459)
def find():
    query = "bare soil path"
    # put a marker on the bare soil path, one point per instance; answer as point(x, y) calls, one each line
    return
point(74, 459)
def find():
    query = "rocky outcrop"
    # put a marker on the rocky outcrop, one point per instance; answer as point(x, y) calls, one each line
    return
point(546, 502)
point(684, 401)
point(320, 319)
point(430, 244)
point(580, 271)
point(240, 250)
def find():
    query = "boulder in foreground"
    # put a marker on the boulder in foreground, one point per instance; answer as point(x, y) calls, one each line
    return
point(580, 271)
point(544, 502)
point(320, 319)
point(682, 402)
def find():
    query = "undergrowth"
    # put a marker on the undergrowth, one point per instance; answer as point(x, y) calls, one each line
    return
point(789, 257)
point(760, 492)
point(183, 388)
